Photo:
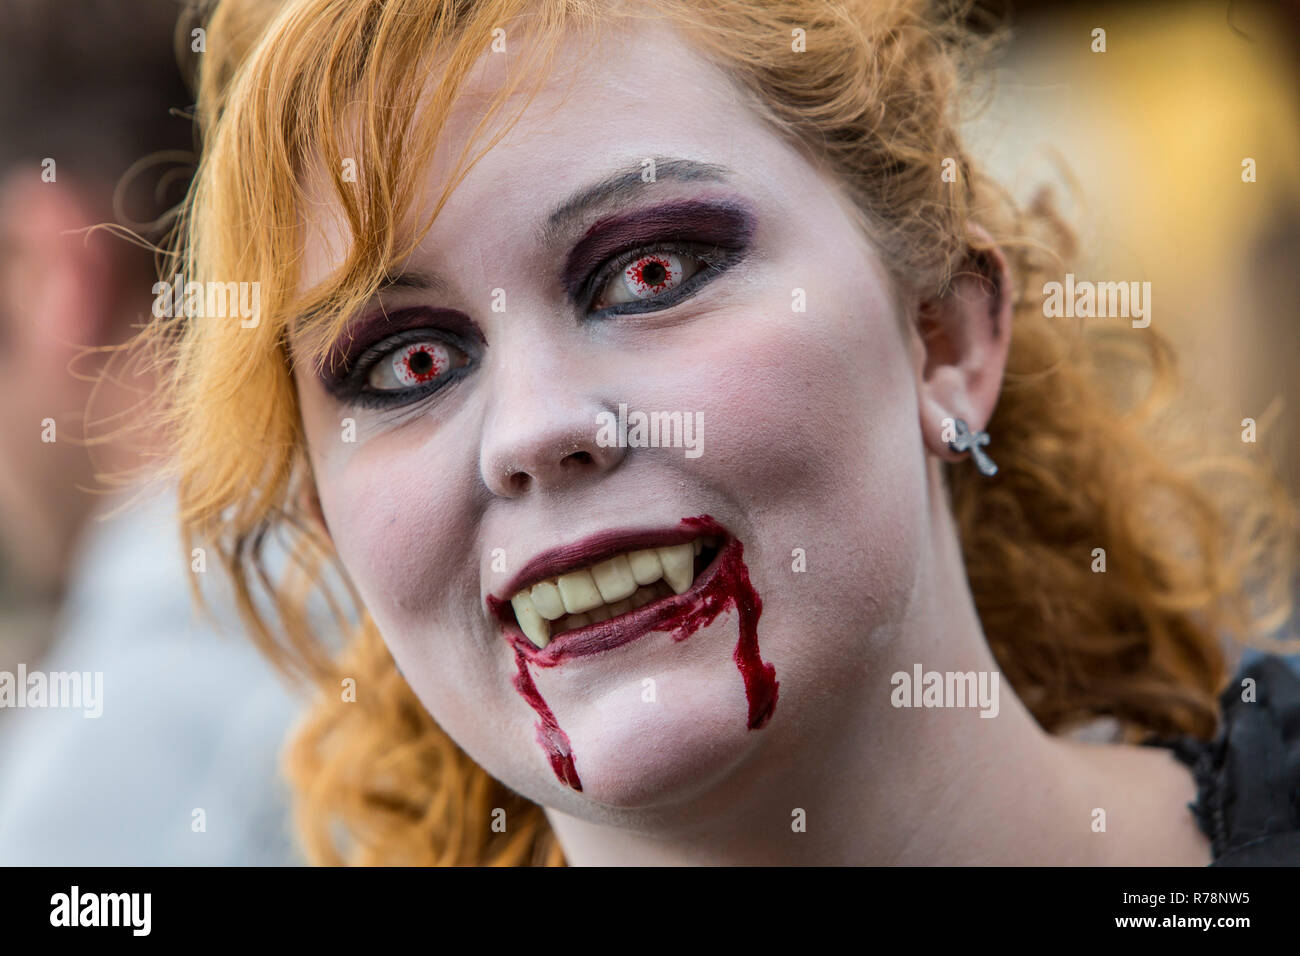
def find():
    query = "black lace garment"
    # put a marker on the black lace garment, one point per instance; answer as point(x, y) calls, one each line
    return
point(1248, 777)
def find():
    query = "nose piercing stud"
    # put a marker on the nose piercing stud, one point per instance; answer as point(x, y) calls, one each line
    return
point(972, 442)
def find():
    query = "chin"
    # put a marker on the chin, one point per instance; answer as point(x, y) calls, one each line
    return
point(660, 725)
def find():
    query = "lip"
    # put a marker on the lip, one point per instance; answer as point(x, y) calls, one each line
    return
point(674, 610)
point(596, 548)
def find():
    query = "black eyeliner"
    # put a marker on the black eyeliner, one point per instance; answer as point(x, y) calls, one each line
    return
point(716, 261)
point(349, 384)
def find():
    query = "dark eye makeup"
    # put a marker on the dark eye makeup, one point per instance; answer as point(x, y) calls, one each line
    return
point(346, 376)
point(655, 257)
point(632, 268)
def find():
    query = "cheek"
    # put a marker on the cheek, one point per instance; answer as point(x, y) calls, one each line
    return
point(399, 513)
point(812, 424)
point(819, 410)
point(396, 508)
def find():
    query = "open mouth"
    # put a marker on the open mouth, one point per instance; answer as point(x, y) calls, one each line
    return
point(618, 595)
point(617, 586)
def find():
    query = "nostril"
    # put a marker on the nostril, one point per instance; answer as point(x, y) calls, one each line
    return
point(580, 457)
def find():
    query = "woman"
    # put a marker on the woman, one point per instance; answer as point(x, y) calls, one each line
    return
point(886, 498)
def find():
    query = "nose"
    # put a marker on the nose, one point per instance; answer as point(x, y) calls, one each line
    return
point(542, 436)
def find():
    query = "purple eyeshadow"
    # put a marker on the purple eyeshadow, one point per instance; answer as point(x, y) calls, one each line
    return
point(726, 223)
point(374, 328)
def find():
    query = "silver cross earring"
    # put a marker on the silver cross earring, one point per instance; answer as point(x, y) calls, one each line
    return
point(972, 442)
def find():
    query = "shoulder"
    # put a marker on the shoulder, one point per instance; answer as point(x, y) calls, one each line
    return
point(1248, 776)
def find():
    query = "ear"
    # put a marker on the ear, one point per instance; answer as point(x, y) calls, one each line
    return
point(965, 335)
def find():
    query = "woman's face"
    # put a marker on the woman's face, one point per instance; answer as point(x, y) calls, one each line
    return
point(731, 287)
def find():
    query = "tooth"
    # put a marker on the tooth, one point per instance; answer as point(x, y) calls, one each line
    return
point(535, 627)
point(599, 614)
point(642, 597)
point(578, 590)
point(577, 620)
point(614, 579)
point(547, 600)
point(646, 568)
point(620, 607)
point(698, 545)
point(678, 564)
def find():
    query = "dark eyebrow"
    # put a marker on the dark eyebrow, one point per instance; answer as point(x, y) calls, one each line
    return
point(621, 186)
point(414, 279)
point(418, 279)
point(616, 188)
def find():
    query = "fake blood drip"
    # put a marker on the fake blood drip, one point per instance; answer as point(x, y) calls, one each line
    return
point(554, 741)
point(730, 585)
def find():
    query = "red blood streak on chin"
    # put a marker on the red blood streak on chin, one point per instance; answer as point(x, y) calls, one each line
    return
point(732, 586)
point(554, 741)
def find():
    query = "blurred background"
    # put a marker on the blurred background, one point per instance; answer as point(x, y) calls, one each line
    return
point(1152, 134)
point(1145, 143)
point(166, 748)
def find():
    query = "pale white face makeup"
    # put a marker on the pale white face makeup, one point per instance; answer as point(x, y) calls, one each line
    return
point(811, 437)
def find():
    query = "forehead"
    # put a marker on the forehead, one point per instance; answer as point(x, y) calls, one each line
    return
point(610, 102)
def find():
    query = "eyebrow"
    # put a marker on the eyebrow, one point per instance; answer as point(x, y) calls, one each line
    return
point(617, 188)
point(413, 279)
point(622, 185)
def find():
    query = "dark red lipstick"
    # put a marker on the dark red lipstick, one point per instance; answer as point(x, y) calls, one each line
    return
point(723, 583)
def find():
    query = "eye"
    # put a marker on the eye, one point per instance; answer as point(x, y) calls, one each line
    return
point(647, 276)
point(414, 364)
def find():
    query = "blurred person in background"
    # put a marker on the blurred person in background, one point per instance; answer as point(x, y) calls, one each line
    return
point(180, 764)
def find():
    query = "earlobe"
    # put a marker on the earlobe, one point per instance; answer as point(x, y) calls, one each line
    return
point(965, 335)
